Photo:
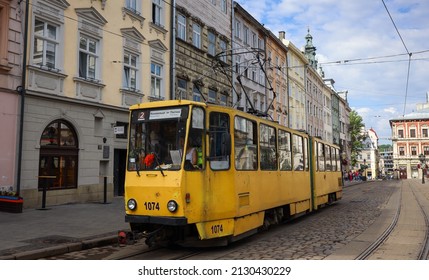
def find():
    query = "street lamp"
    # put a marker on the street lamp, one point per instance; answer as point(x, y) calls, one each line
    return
point(422, 159)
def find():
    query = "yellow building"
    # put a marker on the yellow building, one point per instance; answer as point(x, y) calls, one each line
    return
point(277, 78)
point(296, 64)
point(88, 61)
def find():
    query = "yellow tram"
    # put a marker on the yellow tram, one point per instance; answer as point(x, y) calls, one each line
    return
point(211, 174)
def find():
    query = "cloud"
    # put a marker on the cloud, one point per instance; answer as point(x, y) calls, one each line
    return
point(376, 74)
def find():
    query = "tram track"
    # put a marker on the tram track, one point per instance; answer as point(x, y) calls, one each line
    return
point(402, 239)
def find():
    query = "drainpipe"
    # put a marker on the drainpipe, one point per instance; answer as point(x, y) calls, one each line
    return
point(173, 50)
point(21, 90)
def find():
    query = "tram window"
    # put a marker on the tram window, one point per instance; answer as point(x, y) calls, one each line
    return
point(285, 155)
point(220, 144)
point(320, 157)
point(196, 139)
point(328, 158)
point(306, 161)
point(268, 147)
point(333, 159)
point(245, 145)
point(298, 152)
point(337, 159)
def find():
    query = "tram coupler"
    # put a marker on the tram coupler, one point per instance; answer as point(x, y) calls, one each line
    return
point(128, 237)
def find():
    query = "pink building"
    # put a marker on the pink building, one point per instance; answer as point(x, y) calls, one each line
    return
point(10, 80)
point(410, 139)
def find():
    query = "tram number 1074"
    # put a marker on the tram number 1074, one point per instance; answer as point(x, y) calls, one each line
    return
point(151, 206)
point(216, 229)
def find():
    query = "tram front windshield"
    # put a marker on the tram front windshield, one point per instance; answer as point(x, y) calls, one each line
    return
point(157, 138)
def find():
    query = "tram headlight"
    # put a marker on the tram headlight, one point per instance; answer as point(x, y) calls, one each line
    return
point(172, 206)
point(132, 204)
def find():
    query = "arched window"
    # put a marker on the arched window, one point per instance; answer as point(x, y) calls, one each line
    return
point(58, 162)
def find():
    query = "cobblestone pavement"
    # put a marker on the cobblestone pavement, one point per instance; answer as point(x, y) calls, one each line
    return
point(316, 236)
point(311, 237)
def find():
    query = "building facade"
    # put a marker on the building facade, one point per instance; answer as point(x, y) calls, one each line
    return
point(410, 140)
point(296, 64)
point(11, 49)
point(369, 158)
point(202, 51)
point(88, 61)
point(249, 49)
point(314, 85)
point(276, 70)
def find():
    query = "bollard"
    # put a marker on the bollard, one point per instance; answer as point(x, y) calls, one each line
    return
point(44, 197)
point(105, 190)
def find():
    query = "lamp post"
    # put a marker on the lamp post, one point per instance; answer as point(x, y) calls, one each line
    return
point(422, 159)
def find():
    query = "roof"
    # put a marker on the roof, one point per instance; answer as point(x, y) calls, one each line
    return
point(418, 115)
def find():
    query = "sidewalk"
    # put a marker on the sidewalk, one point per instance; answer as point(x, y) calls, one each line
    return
point(35, 234)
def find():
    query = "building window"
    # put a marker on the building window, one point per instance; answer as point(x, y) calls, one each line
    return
point(400, 133)
point(58, 161)
point(45, 44)
point(196, 35)
point(413, 133)
point(223, 6)
point(181, 27)
point(130, 71)
point(238, 29)
point(401, 151)
point(426, 150)
point(212, 96)
point(196, 95)
point(157, 12)
point(222, 45)
point(212, 43)
point(156, 80)
point(425, 132)
point(88, 57)
point(132, 5)
point(246, 35)
point(413, 150)
point(223, 99)
point(182, 86)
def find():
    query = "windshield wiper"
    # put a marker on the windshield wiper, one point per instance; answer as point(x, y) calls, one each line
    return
point(158, 164)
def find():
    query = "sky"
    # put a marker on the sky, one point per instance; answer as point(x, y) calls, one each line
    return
point(377, 51)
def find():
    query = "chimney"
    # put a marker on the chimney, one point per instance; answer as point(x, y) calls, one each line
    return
point(282, 35)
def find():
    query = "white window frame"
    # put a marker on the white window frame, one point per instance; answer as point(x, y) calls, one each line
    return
point(223, 99)
point(156, 81)
point(223, 44)
point(130, 68)
point(212, 96)
point(90, 54)
point(157, 12)
point(196, 35)
point(196, 95)
point(181, 27)
point(211, 49)
point(134, 6)
point(238, 29)
point(45, 40)
point(223, 6)
point(182, 88)
point(246, 34)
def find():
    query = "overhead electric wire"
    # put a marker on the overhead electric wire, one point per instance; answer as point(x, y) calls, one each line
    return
point(408, 52)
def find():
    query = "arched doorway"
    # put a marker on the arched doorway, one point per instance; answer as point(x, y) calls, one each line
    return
point(58, 163)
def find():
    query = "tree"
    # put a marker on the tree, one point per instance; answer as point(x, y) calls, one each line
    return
point(356, 136)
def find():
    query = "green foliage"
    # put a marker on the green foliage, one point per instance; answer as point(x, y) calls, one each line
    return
point(356, 125)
